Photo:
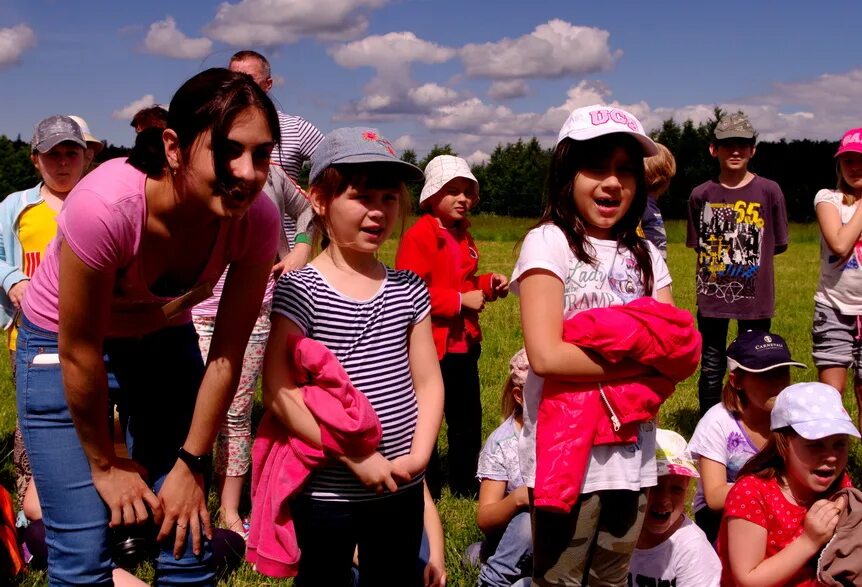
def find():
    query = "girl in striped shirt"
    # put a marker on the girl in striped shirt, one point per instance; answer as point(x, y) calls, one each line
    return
point(376, 322)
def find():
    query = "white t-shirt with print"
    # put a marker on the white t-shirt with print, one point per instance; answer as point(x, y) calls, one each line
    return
point(720, 437)
point(615, 280)
point(840, 283)
point(685, 559)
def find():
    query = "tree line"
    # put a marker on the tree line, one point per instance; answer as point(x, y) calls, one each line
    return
point(513, 179)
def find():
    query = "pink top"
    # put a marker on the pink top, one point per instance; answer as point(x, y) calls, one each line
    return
point(103, 220)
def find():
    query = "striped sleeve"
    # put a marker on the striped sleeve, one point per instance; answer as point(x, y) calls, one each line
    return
point(418, 292)
point(293, 299)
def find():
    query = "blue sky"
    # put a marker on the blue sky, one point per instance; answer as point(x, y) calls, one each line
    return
point(468, 72)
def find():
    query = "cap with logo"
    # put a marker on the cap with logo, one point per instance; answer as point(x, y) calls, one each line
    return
point(851, 142)
point(734, 126)
point(757, 351)
point(355, 145)
point(814, 410)
point(594, 121)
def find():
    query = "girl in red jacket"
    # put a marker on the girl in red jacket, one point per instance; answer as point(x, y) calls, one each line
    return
point(441, 251)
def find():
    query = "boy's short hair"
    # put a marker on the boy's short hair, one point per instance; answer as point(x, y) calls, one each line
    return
point(247, 54)
point(659, 170)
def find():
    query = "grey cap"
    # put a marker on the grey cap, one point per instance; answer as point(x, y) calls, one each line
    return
point(734, 126)
point(358, 145)
point(54, 130)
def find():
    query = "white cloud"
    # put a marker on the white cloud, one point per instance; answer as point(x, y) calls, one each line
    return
point(127, 112)
point(392, 93)
point(431, 95)
point(404, 142)
point(375, 102)
point(553, 49)
point(14, 41)
point(164, 38)
point(477, 157)
point(508, 89)
point(473, 116)
point(275, 22)
point(391, 50)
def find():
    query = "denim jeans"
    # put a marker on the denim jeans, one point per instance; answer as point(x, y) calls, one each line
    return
point(713, 361)
point(158, 376)
point(387, 530)
point(513, 557)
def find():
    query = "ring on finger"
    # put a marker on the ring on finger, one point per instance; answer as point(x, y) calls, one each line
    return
point(181, 526)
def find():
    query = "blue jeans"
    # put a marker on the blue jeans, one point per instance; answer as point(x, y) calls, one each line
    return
point(158, 376)
point(513, 557)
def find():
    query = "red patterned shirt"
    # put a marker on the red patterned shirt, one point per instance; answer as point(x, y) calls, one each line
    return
point(761, 502)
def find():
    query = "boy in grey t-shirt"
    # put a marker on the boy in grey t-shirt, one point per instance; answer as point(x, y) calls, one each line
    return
point(737, 223)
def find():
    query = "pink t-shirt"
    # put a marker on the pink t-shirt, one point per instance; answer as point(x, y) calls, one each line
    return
point(103, 220)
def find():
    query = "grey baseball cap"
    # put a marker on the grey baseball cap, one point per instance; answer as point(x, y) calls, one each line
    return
point(354, 145)
point(734, 126)
point(54, 130)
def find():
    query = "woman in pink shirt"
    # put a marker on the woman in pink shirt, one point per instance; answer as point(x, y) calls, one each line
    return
point(139, 242)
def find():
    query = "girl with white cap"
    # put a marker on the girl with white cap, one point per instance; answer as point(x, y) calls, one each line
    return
point(778, 514)
point(440, 250)
point(585, 253)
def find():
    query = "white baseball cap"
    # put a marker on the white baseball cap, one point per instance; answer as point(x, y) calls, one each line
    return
point(441, 170)
point(594, 121)
point(97, 144)
point(814, 410)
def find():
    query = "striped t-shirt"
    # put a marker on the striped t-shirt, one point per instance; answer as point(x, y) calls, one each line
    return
point(299, 138)
point(369, 338)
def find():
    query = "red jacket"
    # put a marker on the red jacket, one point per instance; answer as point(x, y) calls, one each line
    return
point(573, 417)
point(423, 251)
point(281, 463)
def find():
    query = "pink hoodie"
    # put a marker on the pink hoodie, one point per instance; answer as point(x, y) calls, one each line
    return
point(281, 463)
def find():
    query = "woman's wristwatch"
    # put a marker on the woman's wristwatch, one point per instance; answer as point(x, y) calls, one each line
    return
point(197, 464)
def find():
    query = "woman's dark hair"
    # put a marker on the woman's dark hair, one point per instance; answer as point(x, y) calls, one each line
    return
point(568, 159)
point(209, 101)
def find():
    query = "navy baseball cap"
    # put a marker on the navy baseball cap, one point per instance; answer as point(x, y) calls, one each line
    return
point(757, 351)
point(355, 145)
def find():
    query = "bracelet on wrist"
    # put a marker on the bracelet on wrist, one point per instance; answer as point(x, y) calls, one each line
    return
point(301, 237)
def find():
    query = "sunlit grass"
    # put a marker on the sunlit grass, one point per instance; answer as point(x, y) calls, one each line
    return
point(796, 279)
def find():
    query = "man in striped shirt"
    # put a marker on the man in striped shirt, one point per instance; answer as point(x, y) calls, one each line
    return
point(299, 137)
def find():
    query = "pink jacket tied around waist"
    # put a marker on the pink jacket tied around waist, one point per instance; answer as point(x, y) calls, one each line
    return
point(281, 463)
point(573, 417)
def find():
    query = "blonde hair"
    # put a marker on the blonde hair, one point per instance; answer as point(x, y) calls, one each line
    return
point(847, 192)
point(508, 405)
point(659, 170)
point(334, 181)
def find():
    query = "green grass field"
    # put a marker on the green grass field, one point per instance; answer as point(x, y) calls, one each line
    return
point(796, 279)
